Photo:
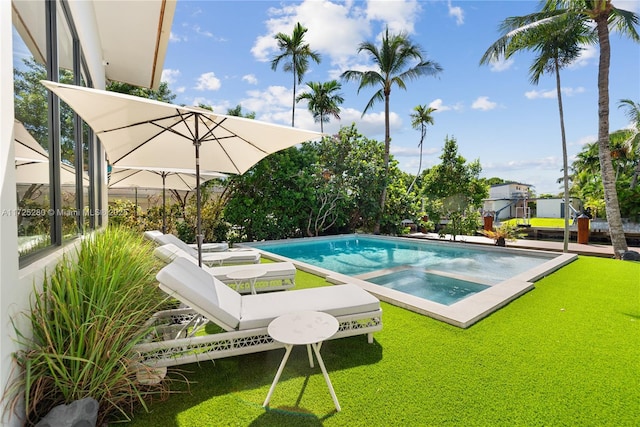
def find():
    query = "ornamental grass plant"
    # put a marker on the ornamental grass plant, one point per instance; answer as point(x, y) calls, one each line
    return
point(85, 320)
point(564, 354)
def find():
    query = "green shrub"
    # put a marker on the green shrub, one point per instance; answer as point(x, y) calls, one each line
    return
point(84, 322)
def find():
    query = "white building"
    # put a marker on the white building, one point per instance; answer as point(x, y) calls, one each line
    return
point(89, 42)
point(508, 200)
point(554, 207)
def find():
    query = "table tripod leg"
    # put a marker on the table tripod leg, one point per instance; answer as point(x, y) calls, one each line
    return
point(316, 349)
point(310, 355)
point(280, 369)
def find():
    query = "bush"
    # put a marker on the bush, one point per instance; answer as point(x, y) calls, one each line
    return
point(84, 323)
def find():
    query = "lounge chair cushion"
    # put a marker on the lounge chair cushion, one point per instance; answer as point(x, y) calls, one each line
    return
point(170, 238)
point(274, 271)
point(152, 235)
point(192, 285)
point(216, 301)
point(338, 300)
point(169, 251)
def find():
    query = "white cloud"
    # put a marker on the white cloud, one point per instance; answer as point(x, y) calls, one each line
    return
point(173, 37)
point(250, 78)
point(198, 30)
point(631, 5)
point(350, 24)
point(456, 12)
point(588, 55)
point(483, 103)
point(170, 76)
point(440, 106)
point(501, 65)
point(208, 81)
point(552, 93)
point(400, 16)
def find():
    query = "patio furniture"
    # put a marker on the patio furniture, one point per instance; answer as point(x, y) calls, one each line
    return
point(277, 276)
point(154, 235)
point(242, 276)
point(228, 257)
point(244, 318)
point(308, 328)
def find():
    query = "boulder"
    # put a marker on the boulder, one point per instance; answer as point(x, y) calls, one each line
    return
point(81, 413)
point(630, 256)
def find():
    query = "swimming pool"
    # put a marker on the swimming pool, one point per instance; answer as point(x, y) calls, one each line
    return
point(452, 281)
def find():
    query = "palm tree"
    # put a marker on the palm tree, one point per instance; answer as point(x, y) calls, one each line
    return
point(605, 16)
point(323, 101)
point(296, 53)
point(419, 120)
point(393, 62)
point(633, 141)
point(557, 43)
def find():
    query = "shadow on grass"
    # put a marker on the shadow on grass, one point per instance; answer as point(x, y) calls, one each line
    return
point(290, 417)
point(195, 383)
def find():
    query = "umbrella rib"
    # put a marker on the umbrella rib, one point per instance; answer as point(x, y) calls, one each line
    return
point(217, 139)
point(154, 123)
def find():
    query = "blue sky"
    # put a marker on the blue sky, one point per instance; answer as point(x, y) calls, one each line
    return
point(220, 52)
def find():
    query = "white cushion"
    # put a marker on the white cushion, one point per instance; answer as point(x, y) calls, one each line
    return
point(152, 234)
point(204, 293)
point(338, 300)
point(274, 271)
point(170, 238)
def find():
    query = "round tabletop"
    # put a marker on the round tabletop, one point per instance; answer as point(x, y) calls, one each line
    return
point(303, 327)
point(246, 274)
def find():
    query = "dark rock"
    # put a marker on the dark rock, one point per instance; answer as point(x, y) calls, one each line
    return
point(81, 413)
point(630, 256)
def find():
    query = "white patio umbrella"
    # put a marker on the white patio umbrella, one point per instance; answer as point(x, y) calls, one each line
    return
point(32, 160)
point(143, 132)
point(175, 179)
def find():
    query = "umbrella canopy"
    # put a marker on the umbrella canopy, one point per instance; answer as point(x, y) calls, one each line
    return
point(32, 160)
point(142, 132)
point(175, 179)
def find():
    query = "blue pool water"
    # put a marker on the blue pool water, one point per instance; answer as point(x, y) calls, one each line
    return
point(425, 268)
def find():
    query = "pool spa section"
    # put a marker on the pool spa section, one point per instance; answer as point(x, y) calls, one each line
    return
point(458, 283)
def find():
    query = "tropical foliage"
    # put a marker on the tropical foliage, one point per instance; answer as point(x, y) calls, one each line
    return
point(296, 54)
point(323, 101)
point(397, 59)
point(557, 44)
point(83, 324)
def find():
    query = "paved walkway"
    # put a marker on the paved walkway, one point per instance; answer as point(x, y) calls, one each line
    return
point(592, 249)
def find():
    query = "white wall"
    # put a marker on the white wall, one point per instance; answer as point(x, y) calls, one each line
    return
point(17, 285)
point(12, 295)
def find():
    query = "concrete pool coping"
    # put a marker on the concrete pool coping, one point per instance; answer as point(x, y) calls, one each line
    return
point(463, 313)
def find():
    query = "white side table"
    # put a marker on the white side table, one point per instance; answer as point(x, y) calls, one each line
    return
point(308, 328)
point(246, 276)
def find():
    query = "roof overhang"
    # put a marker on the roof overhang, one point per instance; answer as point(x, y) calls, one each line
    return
point(133, 36)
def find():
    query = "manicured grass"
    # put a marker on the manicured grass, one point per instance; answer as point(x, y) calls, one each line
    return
point(565, 354)
point(542, 222)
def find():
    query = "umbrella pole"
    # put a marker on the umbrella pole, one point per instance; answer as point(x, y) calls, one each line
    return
point(196, 142)
point(164, 205)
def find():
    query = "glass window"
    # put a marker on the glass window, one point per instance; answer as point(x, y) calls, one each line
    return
point(54, 161)
point(31, 133)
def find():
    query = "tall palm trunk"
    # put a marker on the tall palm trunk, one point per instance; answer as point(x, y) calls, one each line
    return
point(565, 162)
point(293, 105)
point(385, 178)
point(612, 206)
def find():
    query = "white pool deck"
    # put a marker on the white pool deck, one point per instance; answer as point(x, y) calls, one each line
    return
point(465, 312)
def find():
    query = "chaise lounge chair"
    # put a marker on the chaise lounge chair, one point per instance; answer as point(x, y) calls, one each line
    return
point(248, 256)
point(244, 317)
point(154, 235)
point(277, 275)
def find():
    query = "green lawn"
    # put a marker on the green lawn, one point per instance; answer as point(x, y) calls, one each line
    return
point(565, 354)
point(541, 222)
